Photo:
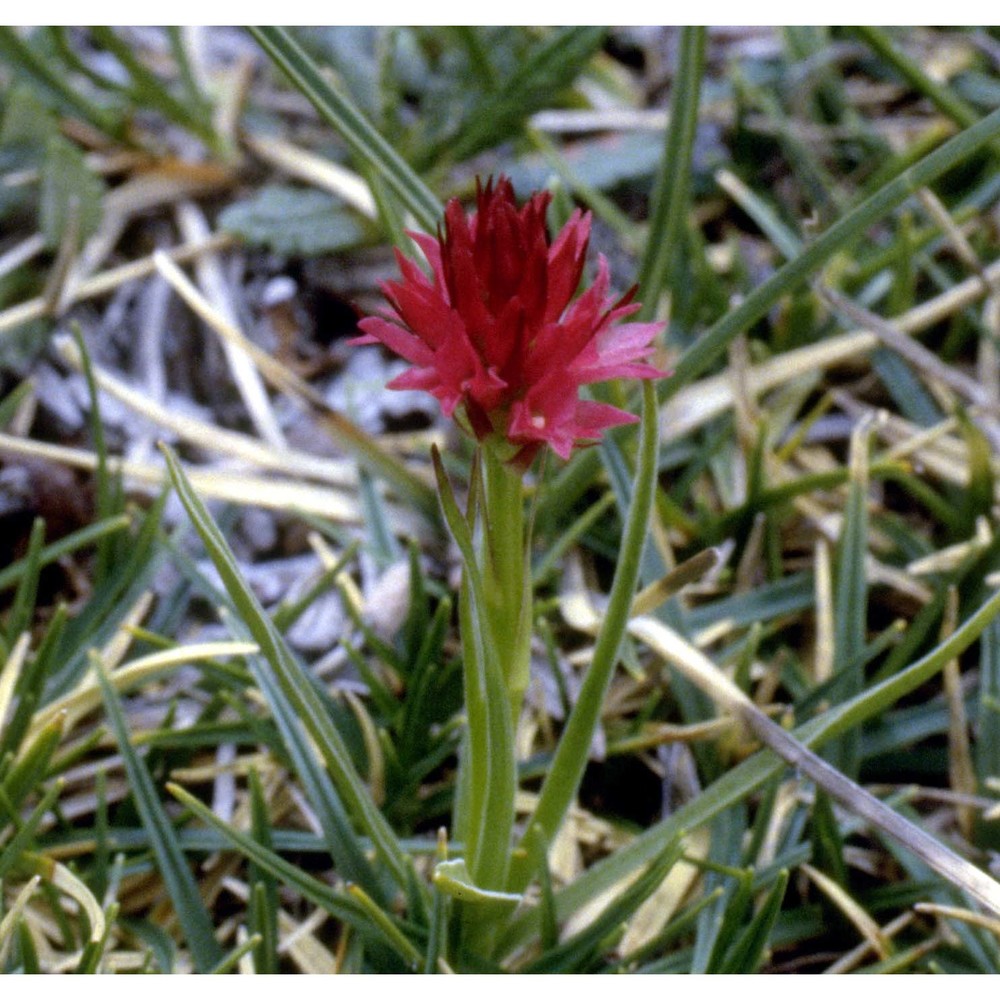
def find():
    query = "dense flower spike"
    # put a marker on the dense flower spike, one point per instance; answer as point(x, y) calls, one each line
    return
point(494, 329)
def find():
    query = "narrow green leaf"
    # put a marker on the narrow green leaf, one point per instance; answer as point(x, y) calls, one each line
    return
point(299, 690)
point(364, 140)
point(31, 767)
point(13, 918)
point(345, 846)
point(939, 93)
point(979, 491)
point(664, 245)
point(418, 710)
point(289, 612)
point(403, 947)
point(71, 194)
point(437, 939)
point(488, 777)
point(19, 54)
point(720, 922)
point(93, 952)
point(230, 961)
point(29, 686)
point(551, 560)
point(29, 954)
point(264, 889)
point(851, 601)
point(681, 924)
point(988, 742)
point(566, 771)
point(549, 936)
point(378, 522)
point(27, 122)
point(22, 609)
point(550, 67)
point(565, 957)
point(784, 240)
point(337, 904)
point(146, 88)
point(173, 866)
point(105, 487)
point(11, 575)
point(457, 524)
point(22, 840)
point(102, 615)
point(11, 403)
point(194, 96)
point(827, 839)
point(748, 950)
point(453, 878)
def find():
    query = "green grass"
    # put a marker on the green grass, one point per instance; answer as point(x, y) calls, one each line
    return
point(197, 810)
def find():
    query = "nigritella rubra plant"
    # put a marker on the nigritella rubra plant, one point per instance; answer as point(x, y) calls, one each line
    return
point(498, 334)
point(495, 333)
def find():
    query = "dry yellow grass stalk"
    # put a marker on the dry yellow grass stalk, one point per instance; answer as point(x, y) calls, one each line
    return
point(87, 695)
point(108, 281)
point(214, 484)
point(208, 270)
point(314, 169)
point(959, 913)
point(204, 435)
point(10, 672)
point(851, 909)
point(701, 401)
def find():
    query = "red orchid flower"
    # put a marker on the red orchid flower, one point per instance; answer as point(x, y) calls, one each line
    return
point(495, 330)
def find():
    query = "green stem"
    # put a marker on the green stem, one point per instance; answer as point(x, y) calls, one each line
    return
point(488, 780)
point(508, 594)
point(495, 622)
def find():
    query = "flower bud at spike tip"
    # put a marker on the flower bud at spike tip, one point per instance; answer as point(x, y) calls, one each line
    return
point(495, 330)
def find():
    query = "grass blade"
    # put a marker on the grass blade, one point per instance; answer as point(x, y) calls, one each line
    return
point(303, 697)
point(549, 68)
point(22, 609)
point(951, 104)
point(11, 575)
point(345, 847)
point(567, 956)
point(563, 780)
point(664, 244)
point(362, 137)
point(747, 951)
point(338, 904)
point(21, 55)
point(851, 601)
point(173, 866)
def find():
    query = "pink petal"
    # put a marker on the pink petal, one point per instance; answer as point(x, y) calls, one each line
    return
point(431, 248)
point(592, 419)
point(566, 259)
point(401, 341)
